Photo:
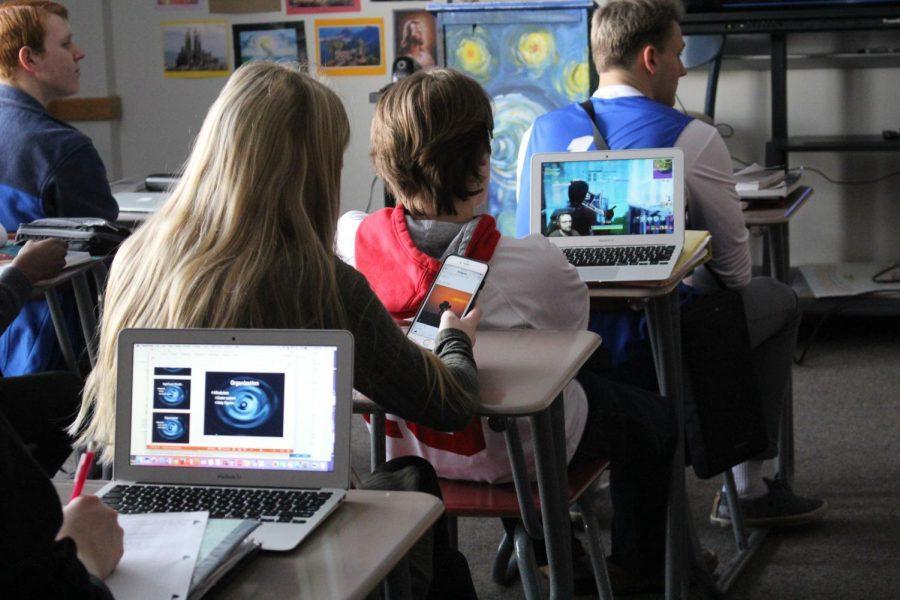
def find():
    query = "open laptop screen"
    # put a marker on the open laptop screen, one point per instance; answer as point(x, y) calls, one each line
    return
point(628, 196)
point(261, 407)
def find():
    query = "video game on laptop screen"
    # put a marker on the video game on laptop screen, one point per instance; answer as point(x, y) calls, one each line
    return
point(234, 407)
point(607, 197)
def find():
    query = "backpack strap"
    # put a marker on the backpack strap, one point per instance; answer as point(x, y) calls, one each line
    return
point(599, 142)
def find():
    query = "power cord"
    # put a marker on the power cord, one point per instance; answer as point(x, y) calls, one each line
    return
point(885, 275)
point(825, 176)
point(371, 191)
point(853, 181)
point(725, 130)
point(848, 302)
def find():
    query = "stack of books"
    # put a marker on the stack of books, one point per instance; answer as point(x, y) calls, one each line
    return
point(755, 181)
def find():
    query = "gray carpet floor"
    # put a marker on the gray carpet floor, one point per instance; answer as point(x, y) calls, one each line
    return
point(847, 423)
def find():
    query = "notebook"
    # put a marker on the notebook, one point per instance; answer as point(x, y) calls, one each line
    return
point(617, 215)
point(246, 424)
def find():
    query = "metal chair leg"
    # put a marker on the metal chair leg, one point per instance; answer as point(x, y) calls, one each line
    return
point(531, 586)
point(504, 567)
point(734, 509)
point(453, 531)
point(595, 546)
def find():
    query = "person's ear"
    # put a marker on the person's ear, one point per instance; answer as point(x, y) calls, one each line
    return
point(648, 58)
point(26, 58)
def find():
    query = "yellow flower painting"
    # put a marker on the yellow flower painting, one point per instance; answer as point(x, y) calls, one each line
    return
point(536, 50)
point(474, 56)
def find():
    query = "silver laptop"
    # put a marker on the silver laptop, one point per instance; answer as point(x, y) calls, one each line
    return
point(140, 202)
point(618, 215)
point(242, 423)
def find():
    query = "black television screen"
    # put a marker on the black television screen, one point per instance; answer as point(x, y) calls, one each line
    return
point(760, 16)
point(770, 4)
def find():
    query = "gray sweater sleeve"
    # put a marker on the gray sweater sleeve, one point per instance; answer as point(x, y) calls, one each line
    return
point(392, 371)
point(15, 290)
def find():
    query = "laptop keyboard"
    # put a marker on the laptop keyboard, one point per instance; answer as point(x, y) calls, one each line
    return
point(282, 506)
point(610, 256)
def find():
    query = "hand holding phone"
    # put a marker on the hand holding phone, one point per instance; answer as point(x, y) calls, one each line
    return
point(468, 324)
point(455, 289)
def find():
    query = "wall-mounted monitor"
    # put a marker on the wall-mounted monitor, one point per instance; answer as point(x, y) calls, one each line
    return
point(772, 16)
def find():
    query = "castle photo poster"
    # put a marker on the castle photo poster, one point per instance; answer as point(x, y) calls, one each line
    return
point(195, 49)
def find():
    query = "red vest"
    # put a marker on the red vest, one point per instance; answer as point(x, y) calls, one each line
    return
point(400, 275)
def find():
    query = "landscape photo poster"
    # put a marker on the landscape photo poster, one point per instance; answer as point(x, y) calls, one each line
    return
point(195, 49)
point(350, 46)
point(299, 7)
point(276, 42)
point(415, 36)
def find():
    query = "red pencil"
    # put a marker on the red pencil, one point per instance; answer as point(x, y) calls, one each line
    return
point(84, 467)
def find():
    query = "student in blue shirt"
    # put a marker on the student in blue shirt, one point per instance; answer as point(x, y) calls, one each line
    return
point(636, 47)
point(47, 167)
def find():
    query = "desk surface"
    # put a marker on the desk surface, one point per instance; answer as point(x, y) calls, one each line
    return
point(67, 274)
point(637, 291)
point(521, 371)
point(346, 557)
point(780, 214)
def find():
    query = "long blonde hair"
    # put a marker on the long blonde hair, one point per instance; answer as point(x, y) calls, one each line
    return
point(246, 238)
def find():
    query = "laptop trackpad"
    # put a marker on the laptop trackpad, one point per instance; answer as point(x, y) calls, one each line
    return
point(280, 537)
point(598, 273)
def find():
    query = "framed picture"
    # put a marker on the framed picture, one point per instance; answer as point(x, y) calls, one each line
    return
point(299, 7)
point(180, 4)
point(415, 36)
point(350, 46)
point(244, 6)
point(195, 49)
point(278, 42)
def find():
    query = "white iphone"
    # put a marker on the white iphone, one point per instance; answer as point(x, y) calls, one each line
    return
point(455, 288)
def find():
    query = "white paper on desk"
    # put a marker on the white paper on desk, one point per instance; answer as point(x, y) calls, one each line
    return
point(843, 279)
point(160, 552)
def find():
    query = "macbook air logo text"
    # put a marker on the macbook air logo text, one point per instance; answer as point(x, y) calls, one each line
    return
point(228, 476)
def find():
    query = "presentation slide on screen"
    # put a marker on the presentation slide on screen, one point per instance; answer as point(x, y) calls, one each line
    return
point(234, 406)
point(607, 197)
point(244, 404)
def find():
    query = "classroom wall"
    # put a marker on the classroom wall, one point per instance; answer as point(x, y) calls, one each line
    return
point(162, 115)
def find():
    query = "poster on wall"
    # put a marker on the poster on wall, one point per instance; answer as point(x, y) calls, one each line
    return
point(195, 49)
point(180, 4)
point(530, 63)
point(415, 36)
point(277, 42)
point(350, 46)
point(299, 7)
point(244, 6)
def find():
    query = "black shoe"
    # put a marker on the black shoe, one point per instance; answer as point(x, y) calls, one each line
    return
point(778, 507)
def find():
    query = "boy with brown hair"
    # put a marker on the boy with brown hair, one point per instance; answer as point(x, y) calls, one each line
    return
point(431, 138)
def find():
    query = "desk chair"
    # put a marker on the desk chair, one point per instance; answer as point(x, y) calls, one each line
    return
point(519, 500)
point(702, 50)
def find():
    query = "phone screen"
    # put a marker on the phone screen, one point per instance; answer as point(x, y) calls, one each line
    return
point(454, 289)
